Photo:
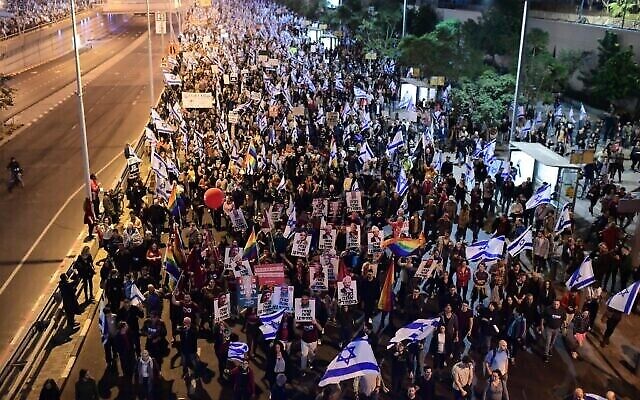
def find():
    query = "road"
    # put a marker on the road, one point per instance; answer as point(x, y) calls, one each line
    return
point(42, 221)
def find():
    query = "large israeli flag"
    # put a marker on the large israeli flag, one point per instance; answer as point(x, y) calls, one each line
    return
point(495, 248)
point(522, 242)
point(415, 331)
point(270, 324)
point(355, 359)
point(395, 143)
point(564, 219)
point(489, 151)
point(437, 161)
point(237, 350)
point(291, 224)
point(402, 183)
point(541, 196)
point(623, 301)
point(366, 153)
point(158, 165)
point(582, 277)
point(475, 251)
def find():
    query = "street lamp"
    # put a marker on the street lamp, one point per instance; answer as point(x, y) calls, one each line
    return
point(151, 97)
point(404, 18)
point(83, 124)
point(518, 71)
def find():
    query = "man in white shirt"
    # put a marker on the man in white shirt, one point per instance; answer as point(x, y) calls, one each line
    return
point(462, 374)
point(498, 358)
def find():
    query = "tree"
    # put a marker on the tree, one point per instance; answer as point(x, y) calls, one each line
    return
point(422, 21)
point(545, 74)
point(617, 75)
point(484, 100)
point(620, 8)
point(445, 51)
point(379, 32)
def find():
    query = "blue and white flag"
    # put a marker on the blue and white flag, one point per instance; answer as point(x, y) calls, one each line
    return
point(237, 350)
point(136, 296)
point(488, 151)
point(558, 112)
point(176, 112)
point(522, 242)
point(172, 80)
point(150, 137)
point(291, 224)
point(541, 196)
point(355, 359)
point(366, 153)
point(282, 185)
point(564, 219)
point(583, 112)
point(406, 102)
point(494, 249)
point(158, 165)
point(591, 396)
point(624, 300)
point(415, 331)
point(270, 324)
point(582, 277)
point(538, 120)
point(520, 112)
point(262, 123)
point(402, 183)
point(102, 321)
point(526, 129)
point(436, 163)
point(475, 251)
point(469, 174)
point(339, 85)
point(493, 167)
point(395, 143)
point(571, 118)
point(162, 127)
point(359, 93)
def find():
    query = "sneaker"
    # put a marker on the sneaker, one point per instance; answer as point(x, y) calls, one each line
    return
point(319, 341)
point(546, 359)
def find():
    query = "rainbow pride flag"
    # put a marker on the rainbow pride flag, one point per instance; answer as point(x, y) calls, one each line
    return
point(251, 247)
point(172, 203)
point(172, 272)
point(385, 302)
point(403, 247)
point(251, 158)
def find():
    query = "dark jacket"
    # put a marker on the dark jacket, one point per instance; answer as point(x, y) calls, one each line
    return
point(87, 389)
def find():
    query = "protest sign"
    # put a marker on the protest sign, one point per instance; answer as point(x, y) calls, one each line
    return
point(247, 291)
point(318, 277)
point(305, 312)
point(353, 237)
point(270, 274)
point(301, 245)
point(222, 307)
point(354, 201)
point(347, 292)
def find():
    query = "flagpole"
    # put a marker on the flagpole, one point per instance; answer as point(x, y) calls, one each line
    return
point(523, 29)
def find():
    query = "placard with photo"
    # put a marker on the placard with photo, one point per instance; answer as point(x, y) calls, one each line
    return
point(354, 201)
point(301, 245)
point(347, 292)
point(318, 277)
point(353, 237)
point(222, 307)
point(305, 312)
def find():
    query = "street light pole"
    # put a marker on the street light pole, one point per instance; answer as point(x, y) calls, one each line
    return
point(151, 96)
point(404, 18)
point(519, 71)
point(83, 124)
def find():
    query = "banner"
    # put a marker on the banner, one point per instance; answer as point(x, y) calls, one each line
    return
point(301, 245)
point(347, 292)
point(318, 277)
point(221, 307)
point(320, 207)
point(354, 201)
point(197, 100)
point(247, 291)
point(270, 274)
point(353, 237)
point(305, 313)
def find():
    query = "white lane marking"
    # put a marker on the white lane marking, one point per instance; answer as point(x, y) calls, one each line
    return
point(16, 336)
point(67, 369)
point(37, 303)
point(85, 327)
point(47, 227)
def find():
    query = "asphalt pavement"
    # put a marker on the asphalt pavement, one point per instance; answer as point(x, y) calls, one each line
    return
point(41, 221)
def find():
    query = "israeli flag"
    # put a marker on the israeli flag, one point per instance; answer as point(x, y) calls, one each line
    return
point(355, 186)
point(494, 166)
point(355, 359)
point(102, 321)
point(291, 224)
point(488, 151)
point(270, 324)
point(406, 102)
point(582, 277)
point(477, 152)
point(158, 165)
point(416, 331)
point(346, 110)
point(564, 219)
point(162, 127)
point(175, 111)
point(395, 143)
point(495, 248)
point(282, 184)
point(262, 123)
point(155, 116)
point(469, 173)
point(172, 80)
point(402, 183)
point(538, 120)
point(526, 129)
point(520, 111)
point(571, 118)
point(522, 242)
point(359, 93)
point(436, 163)
point(475, 251)
point(339, 85)
point(624, 300)
point(559, 112)
point(150, 137)
point(591, 396)
point(541, 196)
point(366, 153)
point(583, 112)
point(237, 350)
point(136, 296)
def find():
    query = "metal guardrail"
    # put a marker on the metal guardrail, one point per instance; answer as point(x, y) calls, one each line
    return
point(23, 365)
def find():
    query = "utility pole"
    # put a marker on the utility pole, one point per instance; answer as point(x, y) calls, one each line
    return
point(151, 95)
point(404, 18)
point(514, 112)
point(83, 124)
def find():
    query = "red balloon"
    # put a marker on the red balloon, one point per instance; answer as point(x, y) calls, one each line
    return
point(213, 198)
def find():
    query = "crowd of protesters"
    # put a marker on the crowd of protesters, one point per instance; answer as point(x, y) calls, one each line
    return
point(23, 15)
point(294, 121)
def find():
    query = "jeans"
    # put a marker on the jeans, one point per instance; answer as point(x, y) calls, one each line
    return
point(308, 353)
point(189, 360)
point(87, 287)
point(550, 339)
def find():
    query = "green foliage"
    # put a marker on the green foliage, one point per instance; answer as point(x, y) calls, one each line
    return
point(6, 93)
point(619, 8)
point(444, 51)
point(498, 31)
point(379, 32)
point(421, 21)
point(545, 74)
point(484, 100)
point(617, 75)
point(310, 9)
